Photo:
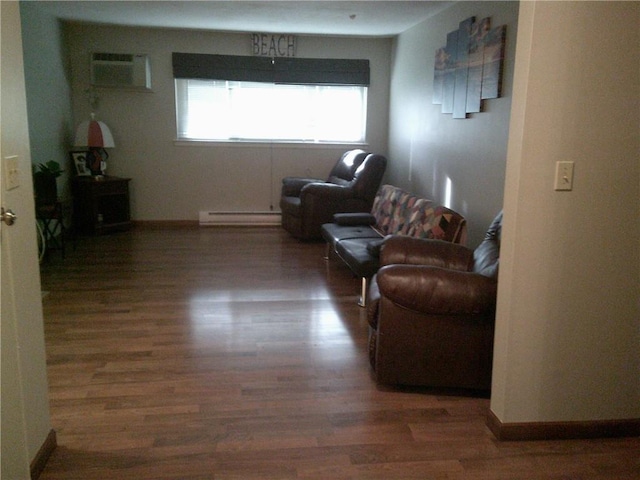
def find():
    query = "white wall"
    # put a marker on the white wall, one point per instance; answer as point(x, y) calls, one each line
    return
point(51, 127)
point(568, 323)
point(174, 182)
point(427, 146)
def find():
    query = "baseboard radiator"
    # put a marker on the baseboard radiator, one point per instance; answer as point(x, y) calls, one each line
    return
point(239, 218)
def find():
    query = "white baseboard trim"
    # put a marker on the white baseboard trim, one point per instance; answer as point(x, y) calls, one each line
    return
point(239, 218)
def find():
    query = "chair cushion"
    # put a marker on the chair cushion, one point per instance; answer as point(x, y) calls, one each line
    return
point(357, 219)
point(486, 257)
point(344, 171)
point(374, 246)
point(399, 212)
point(355, 254)
point(333, 233)
point(384, 206)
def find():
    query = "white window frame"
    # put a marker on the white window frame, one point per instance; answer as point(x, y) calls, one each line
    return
point(231, 111)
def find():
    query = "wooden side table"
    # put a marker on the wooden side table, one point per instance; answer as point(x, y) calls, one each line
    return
point(101, 204)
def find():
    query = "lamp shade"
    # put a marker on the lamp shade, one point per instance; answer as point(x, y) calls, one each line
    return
point(93, 133)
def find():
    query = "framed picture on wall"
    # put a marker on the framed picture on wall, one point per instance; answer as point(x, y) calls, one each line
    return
point(79, 159)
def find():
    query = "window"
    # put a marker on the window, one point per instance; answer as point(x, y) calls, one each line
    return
point(226, 97)
point(229, 110)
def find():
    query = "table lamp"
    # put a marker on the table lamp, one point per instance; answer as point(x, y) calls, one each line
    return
point(96, 136)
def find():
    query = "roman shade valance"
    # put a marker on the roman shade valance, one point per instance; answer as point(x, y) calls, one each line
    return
point(326, 71)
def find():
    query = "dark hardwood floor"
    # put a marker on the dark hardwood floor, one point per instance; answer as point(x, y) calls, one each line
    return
point(239, 353)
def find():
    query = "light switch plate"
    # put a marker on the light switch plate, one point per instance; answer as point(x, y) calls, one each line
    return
point(564, 176)
point(11, 172)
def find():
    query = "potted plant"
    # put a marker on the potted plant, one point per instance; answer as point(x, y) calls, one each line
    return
point(45, 182)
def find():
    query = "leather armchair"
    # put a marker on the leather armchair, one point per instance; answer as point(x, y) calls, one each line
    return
point(432, 311)
point(307, 203)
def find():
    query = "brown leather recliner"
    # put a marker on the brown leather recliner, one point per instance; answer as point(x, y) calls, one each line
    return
point(432, 312)
point(307, 203)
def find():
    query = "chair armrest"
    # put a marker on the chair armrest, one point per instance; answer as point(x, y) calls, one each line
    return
point(373, 302)
point(354, 219)
point(327, 190)
point(437, 291)
point(292, 186)
point(401, 249)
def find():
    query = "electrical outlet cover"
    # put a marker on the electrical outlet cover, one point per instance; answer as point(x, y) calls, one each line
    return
point(11, 172)
point(564, 176)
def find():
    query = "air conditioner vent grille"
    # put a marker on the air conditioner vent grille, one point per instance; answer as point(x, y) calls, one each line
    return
point(120, 70)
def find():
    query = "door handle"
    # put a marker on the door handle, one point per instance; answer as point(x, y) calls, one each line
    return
point(8, 217)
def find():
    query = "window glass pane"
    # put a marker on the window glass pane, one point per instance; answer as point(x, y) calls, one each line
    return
point(224, 110)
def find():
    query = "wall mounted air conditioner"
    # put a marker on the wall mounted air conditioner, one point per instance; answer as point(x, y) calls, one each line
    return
point(122, 70)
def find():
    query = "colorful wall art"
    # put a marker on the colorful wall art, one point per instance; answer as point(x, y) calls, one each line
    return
point(468, 69)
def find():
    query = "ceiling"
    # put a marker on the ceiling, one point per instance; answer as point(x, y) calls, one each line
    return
point(354, 18)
